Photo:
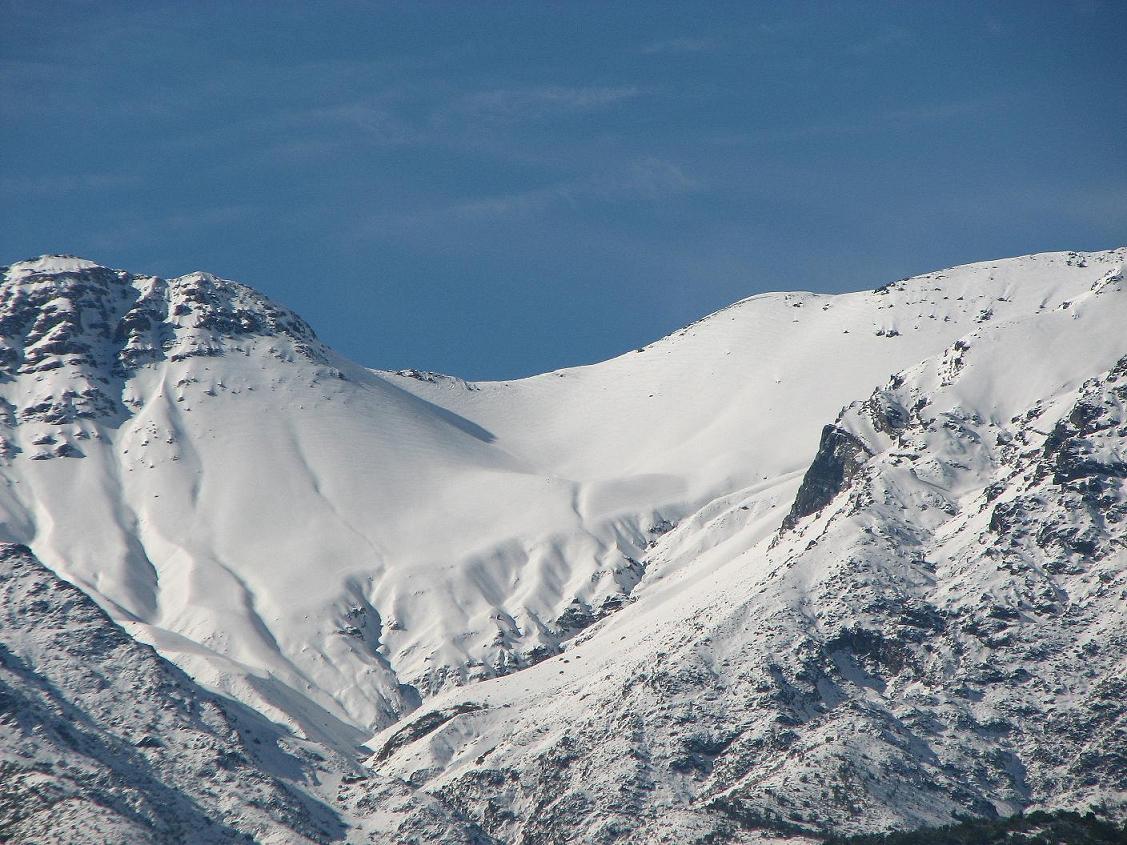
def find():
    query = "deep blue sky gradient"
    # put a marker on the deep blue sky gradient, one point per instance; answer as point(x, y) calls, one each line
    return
point(498, 189)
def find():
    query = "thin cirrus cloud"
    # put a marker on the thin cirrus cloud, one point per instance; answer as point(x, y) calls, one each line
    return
point(680, 45)
point(386, 117)
point(916, 116)
point(394, 118)
point(888, 38)
point(520, 104)
point(645, 180)
point(152, 228)
point(52, 185)
point(648, 179)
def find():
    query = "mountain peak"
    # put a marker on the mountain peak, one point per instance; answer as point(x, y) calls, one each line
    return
point(54, 263)
point(72, 330)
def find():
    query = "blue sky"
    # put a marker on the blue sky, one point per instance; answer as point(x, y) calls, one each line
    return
point(496, 189)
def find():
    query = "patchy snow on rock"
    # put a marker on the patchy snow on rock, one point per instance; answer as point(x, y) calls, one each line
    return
point(102, 740)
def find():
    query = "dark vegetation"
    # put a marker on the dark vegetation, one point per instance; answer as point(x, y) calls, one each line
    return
point(1057, 828)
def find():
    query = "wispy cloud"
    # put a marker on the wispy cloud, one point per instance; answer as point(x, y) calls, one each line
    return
point(537, 103)
point(862, 124)
point(46, 185)
point(648, 179)
point(376, 119)
point(642, 181)
point(146, 230)
point(680, 45)
point(1097, 206)
point(886, 39)
point(420, 115)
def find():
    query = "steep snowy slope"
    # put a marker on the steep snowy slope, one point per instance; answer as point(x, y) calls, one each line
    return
point(941, 629)
point(332, 545)
point(101, 740)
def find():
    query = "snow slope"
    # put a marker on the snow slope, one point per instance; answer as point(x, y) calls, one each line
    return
point(101, 740)
point(942, 631)
point(336, 546)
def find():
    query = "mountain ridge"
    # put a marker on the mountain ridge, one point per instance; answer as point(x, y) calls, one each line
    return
point(413, 561)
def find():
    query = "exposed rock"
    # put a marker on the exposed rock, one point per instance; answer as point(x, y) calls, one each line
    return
point(420, 726)
point(840, 457)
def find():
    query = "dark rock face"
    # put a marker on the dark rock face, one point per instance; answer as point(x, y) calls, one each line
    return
point(1070, 448)
point(1059, 828)
point(840, 457)
point(216, 310)
point(56, 330)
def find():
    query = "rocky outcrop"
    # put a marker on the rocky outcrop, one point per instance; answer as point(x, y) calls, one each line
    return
point(839, 459)
point(73, 332)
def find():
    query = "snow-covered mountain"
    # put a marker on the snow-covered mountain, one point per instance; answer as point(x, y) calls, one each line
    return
point(102, 741)
point(812, 563)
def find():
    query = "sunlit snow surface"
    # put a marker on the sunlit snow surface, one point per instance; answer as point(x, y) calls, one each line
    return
point(335, 546)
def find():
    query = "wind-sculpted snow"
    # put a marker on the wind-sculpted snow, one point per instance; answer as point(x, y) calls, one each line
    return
point(564, 604)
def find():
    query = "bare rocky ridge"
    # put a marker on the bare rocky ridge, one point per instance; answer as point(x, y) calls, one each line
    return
point(93, 327)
